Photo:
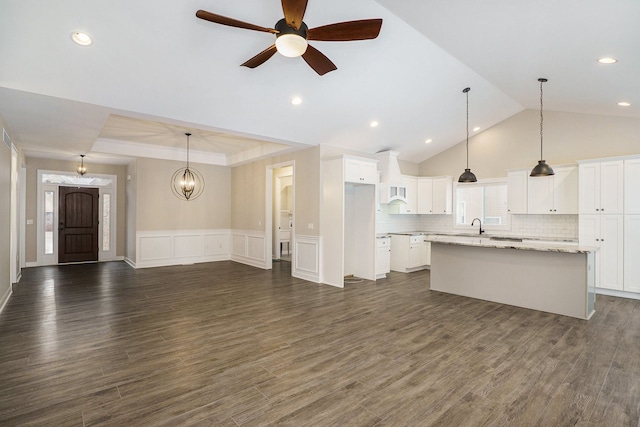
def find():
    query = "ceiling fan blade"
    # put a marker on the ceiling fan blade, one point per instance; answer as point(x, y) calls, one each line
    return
point(364, 29)
point(294, 12)
point(260, 58)
point(219, 19)
point(316, 60)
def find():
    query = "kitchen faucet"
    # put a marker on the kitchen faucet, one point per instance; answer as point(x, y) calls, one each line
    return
point(481, 230)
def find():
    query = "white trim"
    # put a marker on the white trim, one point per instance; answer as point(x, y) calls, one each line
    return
point(5, 298)
point(249, 247)
point(179, 247)
point(619, 294)
point(306, 262)
point(52, 259)
point(137, 149)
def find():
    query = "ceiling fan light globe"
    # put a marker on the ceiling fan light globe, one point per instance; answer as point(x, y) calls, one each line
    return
point(291, 45)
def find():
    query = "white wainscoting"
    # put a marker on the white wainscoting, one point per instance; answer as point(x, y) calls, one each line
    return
point(249, 247)
point(306, 262)
point(174, 247)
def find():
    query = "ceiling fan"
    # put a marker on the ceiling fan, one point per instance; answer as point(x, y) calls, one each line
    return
point(292, 35)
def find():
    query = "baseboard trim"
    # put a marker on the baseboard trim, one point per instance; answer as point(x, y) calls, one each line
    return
point(258, 263)
point(619, 294)
point(5, 298)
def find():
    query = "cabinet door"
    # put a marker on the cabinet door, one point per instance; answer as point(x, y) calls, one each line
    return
point(611, 251)
point(589, 235)
point(415, 255)
point(517, 191)
point(425, 196)
point(442, 195)
point(383, 260)
point(540, 194)
point(589, 188)
point(359, 171)
point(632, 253)
point(565, 191)
point(411, 183)
point(632, 186)
point(611, 187)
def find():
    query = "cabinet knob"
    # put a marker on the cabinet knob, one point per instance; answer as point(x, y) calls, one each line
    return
point(602, 210)
point(597, 210)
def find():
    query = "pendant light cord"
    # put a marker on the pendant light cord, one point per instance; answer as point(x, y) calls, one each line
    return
point(466, 91)
point(541, 117)
point(188, 135)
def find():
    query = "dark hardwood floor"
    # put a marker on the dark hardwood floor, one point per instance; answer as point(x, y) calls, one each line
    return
point(224, 344)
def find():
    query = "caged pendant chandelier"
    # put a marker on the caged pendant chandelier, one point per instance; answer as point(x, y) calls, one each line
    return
point(467, 175)
point(542, 168)
point(81, 169)
point(187, 183)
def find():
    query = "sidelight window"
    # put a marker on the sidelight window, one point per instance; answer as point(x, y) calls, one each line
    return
point(106, 222)
point(48, 221)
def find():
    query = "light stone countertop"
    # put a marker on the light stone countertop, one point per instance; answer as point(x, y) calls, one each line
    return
point(525, 244)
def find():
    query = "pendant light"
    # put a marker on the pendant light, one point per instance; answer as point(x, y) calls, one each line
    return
point(467, 175)
point(187, 183)
point(542, 168)
point(81, 169)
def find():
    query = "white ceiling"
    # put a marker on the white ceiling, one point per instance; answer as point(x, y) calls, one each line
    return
point(155, 71)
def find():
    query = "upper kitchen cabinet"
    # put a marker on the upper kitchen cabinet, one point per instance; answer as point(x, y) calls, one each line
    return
point(632, 186)
point(407, 203)
point(360, 171)
point(601, 187)
point(554, 194)
point(443, 195)
point(517, 191)
point(435, 195)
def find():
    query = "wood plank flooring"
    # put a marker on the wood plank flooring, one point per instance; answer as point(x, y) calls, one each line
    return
point(223, 344)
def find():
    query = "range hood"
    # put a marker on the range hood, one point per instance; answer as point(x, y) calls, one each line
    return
point(392, 188)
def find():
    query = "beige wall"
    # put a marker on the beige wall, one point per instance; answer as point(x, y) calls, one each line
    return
point(158, 209)
point(131, 203)
point(515, 143)
point(248, 187)
point(34, 164)
point(5, 214)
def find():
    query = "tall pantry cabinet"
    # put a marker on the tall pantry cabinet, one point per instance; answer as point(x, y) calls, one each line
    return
point(609, 217)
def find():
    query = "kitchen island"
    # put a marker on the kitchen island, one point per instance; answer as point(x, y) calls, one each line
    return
point(555, 277)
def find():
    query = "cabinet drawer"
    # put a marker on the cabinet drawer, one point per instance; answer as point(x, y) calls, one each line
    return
point(383, 242)
point(416, 239)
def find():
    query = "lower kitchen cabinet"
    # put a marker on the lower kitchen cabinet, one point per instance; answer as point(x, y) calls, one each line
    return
point(383, 257)
point(409, 253)
point(607, 233)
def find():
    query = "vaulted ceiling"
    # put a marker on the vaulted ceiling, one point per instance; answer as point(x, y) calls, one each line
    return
point(155, 71)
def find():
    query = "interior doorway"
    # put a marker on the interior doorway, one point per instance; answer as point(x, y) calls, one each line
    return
point(280, 214)
point(78, 224)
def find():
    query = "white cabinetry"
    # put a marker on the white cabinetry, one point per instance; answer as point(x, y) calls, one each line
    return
point(410, 204)
point(360, 171)
point(435, 195)
point(632, 187)
point(517, 191)
point(601, 187)
point(555, 194)
point(606, 232)
point(442, 195)
point(409, 253)
point(632, 253)
point(425, 195)
point(383, 257)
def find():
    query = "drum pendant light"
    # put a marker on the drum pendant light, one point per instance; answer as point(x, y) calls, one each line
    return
point(187, 183)
point(467, 175)
point(542, 168)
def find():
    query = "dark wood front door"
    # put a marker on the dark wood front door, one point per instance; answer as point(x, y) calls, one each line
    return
point(78, 224)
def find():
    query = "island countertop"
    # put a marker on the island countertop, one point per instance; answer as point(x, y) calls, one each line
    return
point(510, 243)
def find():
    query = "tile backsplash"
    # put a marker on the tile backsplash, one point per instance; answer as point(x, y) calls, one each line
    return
point(557, 227)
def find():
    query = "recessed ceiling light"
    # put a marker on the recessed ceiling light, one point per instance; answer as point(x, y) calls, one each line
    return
point(83, 39)
point(476, 129)
point(296, 100)
point(607, 60)
point(428, 141)
point(374, 124)
point(624, 104)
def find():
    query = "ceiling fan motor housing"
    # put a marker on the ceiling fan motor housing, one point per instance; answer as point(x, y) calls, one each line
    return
point(284, 28)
